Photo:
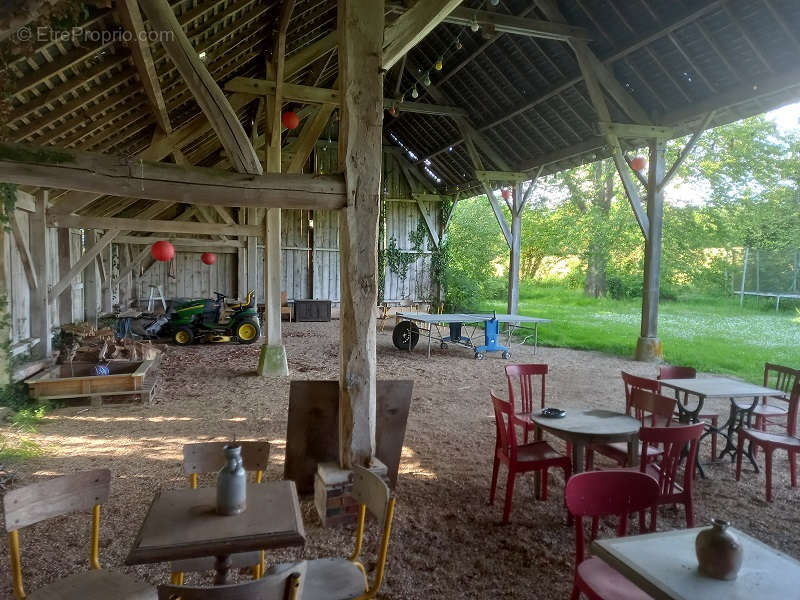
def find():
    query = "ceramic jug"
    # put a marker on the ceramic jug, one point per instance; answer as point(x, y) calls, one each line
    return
point(719, 553)
point(232, 483)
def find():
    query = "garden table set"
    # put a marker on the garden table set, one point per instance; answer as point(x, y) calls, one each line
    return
point(657, 432)
point(721, 387)
point(183, 523)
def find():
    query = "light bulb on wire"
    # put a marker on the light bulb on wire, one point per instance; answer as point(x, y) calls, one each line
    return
point(474, 25)
point(459, 45)
point(494, 2)
point(439, 63)
point(414, 92)
point(426, 79)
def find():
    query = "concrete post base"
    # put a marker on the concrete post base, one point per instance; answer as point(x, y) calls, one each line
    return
point(272, 361)
point(333, 492)
point(649, 349)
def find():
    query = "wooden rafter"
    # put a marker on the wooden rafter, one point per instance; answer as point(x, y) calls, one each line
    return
point(515, 25)
point(205, 90)
point(105, 175)
point(411, 27)
point(24, 251)
point(152, 225)
point(131, 19)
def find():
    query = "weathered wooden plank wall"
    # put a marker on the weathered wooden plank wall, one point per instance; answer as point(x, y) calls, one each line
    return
point(402, 218)
point(193, 279)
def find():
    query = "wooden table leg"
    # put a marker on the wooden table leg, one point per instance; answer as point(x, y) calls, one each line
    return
point(578, 451)
point(633, 451)
point(223, 566)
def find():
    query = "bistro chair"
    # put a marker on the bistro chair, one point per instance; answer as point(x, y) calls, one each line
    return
point(781, 378)
point(346, 578)
point(520, 458)
point(652, 410)
point(670, 372)
point(208, 457)
point(526, 376)
point(598, 494)
point(672, 441)
point(279, 586)
point(770, 442)
point(78, 492)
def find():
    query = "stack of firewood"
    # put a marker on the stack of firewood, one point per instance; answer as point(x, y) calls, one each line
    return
point(83, 343)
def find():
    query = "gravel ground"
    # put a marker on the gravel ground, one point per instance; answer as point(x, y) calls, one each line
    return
point(446, 541)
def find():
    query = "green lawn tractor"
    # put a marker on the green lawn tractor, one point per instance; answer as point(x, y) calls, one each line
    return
point(209, 320)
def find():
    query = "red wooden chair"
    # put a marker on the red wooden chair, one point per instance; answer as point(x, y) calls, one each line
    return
point(520, 458)
point(770, 442)
point(652, 410)
point(672, 441)
point(781, 378)
point(526, 375)
point(598, 494)
point(669, 372)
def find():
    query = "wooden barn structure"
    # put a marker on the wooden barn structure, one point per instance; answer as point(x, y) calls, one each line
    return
point(162, 119)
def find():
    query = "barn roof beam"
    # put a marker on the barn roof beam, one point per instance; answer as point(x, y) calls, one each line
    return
point(317, 95)
point(411, 27)
point(512, 24)
point(100, 174)
point(559, 87)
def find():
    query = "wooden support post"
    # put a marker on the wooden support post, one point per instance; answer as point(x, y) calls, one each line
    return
point(516, 248)
point(108, 255)
point(41, 323)
point(5, 313)
point(648, 347)
point(124, 282)
point(252, 254)
point(360, 156)
point(272, 361)
point(64, 265)
point(90, 279)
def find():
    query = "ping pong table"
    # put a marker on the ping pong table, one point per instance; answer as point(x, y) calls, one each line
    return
point(460, 330)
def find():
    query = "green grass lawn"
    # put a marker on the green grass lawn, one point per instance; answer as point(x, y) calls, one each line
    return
point(712, 334)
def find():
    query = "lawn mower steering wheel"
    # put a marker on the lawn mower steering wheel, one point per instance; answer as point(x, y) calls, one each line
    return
point(220, 297)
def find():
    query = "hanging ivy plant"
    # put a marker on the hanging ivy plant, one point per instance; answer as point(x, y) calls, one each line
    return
point(8, 202)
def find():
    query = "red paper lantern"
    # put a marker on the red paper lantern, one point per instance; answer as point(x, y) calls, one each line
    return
point(392, 110)
point(638, 163)
point(290, 120)
point(162, 251)
point(506, 193)
point(208, 258)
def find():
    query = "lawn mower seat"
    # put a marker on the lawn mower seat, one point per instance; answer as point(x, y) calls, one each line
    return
point(249, 302)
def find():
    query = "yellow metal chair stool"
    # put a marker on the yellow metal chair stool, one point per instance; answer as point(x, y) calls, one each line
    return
point(208, 457)
point(78, 492)
point(346, 578)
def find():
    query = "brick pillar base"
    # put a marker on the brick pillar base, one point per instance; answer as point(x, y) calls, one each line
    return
point(333, 489)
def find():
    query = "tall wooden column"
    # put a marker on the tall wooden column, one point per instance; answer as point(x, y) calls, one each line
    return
point(41, 323)
point(648, 347)
point(5, 311)
point(64, 265)
point(90, 280)
point(360, 27)
point(516, 249)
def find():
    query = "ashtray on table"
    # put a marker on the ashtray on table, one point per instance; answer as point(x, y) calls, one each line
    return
point(553, 413)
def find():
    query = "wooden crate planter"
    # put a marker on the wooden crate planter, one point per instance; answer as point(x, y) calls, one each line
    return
point(76, 383)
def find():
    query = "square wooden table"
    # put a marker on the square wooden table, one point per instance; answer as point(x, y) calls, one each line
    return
point(183, 523)
point(664, 565)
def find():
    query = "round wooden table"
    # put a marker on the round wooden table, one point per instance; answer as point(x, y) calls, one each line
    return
point(593, 426)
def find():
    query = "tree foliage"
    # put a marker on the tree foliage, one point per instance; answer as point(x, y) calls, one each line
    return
point(740, 186)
